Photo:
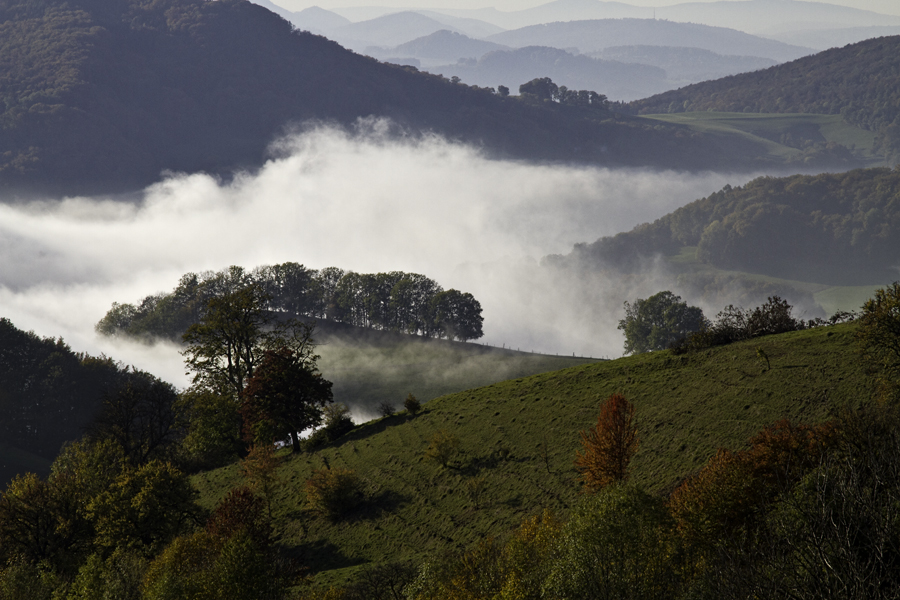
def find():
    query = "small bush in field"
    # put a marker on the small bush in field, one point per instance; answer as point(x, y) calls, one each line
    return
point(333, 491)
point(412, 405)
point(442, 447)
point(386, 409)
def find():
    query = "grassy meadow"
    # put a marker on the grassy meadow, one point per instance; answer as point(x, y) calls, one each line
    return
point(768, 130)
point(518, 439)
point(371, 367)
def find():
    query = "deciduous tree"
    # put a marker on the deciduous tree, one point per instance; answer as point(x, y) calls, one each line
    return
point(284, 397)
point(878, 337)
point(609, 445)
point(658, 321)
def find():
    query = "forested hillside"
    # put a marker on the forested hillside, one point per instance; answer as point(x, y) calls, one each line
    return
point(101, 95)
point(49, 394)
point(861, 82)
point(839, 228)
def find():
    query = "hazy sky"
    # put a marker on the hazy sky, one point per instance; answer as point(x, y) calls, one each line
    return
point(888, 7)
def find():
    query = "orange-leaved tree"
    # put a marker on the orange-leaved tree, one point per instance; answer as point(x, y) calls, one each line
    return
point(609, 445)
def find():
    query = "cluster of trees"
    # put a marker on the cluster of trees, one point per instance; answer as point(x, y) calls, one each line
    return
point(840, 228)
point(858, 82)
point(103, 525)
point(664, 321)
point(394, 301)
point(542, 89)
point(117, 515)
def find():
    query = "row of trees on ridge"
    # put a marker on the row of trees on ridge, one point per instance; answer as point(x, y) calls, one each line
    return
point(394, 301)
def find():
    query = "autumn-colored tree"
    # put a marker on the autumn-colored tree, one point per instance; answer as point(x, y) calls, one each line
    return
point(241, 510)
point(729, 492)
point(260, 468)
point(609, 445)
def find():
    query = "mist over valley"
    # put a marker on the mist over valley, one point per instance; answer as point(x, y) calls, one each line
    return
point(425, 206)
point(568, 301)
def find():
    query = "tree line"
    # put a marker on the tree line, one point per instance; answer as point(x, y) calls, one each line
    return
point(542, 89)
point(395, 301)
point(665, 322)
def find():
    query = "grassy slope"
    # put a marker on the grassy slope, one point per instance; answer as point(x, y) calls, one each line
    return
point(687, 406)
point(370, 367)
point(762, 128)
point(830, 297)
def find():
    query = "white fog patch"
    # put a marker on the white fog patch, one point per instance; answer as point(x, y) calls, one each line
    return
point(360, 202)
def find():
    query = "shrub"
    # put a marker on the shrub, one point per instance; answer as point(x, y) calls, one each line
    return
point(386, 409)
point(442, 447)
point(337, 423)
point(412, 405)
point(333, 491)
point(615, 545)
point(878, 338)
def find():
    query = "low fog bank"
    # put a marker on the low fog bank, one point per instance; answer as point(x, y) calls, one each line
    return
point(357, 201)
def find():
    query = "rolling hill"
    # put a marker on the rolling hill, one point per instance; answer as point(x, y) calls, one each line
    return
point(839, 229)
point(389, 30)
point(520, 438)
point(685, 65)
point(438, 48)
point(103, 97)
point(858, 82)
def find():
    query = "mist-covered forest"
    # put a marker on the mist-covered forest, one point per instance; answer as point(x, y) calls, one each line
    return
point(839, 228)
point(575, 347)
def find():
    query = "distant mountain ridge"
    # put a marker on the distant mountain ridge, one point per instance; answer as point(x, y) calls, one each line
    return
point(761, 17)
point(438, 48)
point(594, 35)
point(682, 65)
point(512, 68)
